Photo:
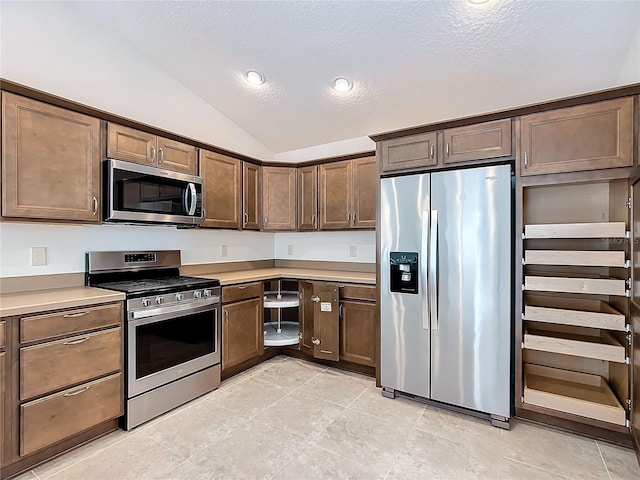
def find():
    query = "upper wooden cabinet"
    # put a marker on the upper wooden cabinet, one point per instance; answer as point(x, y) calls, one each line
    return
point(586, 137)
point(279, 198)
point(50, 162)
point(308, 198)
point(251, 196)
point(348, 194)
point(478, 142)
point(365, 184)
point(336, 194)
point(414, 152)
point(132, 145)
point(222, 190)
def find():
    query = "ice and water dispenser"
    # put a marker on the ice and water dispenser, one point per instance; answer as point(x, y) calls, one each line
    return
point(404, 272)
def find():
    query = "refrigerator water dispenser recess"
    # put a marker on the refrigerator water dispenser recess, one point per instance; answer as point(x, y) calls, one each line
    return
point(404, 272)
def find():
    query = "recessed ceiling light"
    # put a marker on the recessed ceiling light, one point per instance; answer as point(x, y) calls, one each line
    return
point(477, 2)
point(253, 77)
point(342, 84)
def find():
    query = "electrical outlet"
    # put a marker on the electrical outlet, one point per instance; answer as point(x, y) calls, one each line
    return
point(352, 250)
point(38, 256)
point(223, 250)
point(289, 249)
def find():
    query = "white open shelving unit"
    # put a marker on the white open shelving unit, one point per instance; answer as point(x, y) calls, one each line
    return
point(281, 333)
point(580, 324)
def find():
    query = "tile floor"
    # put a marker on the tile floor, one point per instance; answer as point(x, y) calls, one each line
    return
point(289, 419)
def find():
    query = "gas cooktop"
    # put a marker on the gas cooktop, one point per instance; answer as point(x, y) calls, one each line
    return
point(159, 285)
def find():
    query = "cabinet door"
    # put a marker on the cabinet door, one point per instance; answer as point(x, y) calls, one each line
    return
point(409, 153)
point(279, 198)
point(50, 161)
point(365, 183)
point(357, 332)
point(242, 334)
point(251, 196)
point(222, 190)
point(306, 316)
point(131, 145)
point(326, 328)
point(586, 137)
point(308, 198)
point(478, 142)
point(336, 195)
point(177, 156)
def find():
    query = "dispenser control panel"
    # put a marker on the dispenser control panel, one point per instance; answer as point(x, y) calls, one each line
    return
point(404, 272)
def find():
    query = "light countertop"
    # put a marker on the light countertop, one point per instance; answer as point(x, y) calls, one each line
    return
point(243, 276)
point(43, 300)
point(54, 299)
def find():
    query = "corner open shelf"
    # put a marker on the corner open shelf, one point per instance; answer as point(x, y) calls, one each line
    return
point(281, 333)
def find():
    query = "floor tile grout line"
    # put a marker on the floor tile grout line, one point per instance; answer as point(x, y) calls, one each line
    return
point(603, 460)
point(56, 472)
point(35, 475)
point(536, 467)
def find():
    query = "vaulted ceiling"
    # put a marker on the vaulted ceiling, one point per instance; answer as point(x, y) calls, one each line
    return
point(411, 62)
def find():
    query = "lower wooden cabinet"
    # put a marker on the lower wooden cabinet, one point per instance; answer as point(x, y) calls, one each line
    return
point(65, 383)
point(55, 417)
point(319, 322)
point(242, 332)
point(358, 332)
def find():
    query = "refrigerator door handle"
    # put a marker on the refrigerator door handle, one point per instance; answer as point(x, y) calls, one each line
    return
point(433, 270)
point(426, 316)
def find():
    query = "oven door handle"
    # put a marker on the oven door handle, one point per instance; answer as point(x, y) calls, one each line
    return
point(168, 311)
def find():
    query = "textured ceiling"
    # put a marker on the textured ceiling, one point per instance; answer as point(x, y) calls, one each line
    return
point(412, 62)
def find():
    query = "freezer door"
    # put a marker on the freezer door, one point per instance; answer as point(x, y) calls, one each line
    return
point(470, 296)
point(404, 320)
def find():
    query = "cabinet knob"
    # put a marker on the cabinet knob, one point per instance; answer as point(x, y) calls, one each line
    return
point(447, 149)
point(153, 154)
point(431, 151)
point(526, 160)
point(95, 205)
point(160, 155)
point(315, 341)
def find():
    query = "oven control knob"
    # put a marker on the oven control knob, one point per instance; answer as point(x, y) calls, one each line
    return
point(197, 294)
point(146, 302)
point(179, 297)
point(159, 300)
point(207, 293)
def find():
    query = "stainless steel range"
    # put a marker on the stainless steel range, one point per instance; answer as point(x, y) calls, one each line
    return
point(172, 338)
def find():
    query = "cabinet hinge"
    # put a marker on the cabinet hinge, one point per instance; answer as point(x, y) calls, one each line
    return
point(629, 403)
point(629, 338)
point(627, 360)
point(629, 202)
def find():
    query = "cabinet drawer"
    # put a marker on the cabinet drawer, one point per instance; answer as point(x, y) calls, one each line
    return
point(2, 335)
point(412, 152)
point(241, 292)
point(358, 292)
point(54, 365)
point(56, 417)
point(586, 137)
point(69, 322)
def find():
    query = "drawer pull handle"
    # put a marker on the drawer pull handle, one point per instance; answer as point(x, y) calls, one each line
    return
point(76, 342)
point(243, 287)
point(75, 315)
point(77, 392)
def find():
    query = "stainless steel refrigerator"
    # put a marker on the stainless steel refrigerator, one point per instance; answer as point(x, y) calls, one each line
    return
point(445, 271)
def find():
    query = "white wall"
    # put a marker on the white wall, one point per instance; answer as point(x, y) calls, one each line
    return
point(323, 246)
point(48, 46)
point(67, 244)
point(630, 72)
point(334, 149)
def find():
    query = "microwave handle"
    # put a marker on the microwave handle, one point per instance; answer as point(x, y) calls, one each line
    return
point(192, 199)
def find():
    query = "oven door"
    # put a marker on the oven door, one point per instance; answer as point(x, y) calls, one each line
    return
point(166, 347)
point(145, 194)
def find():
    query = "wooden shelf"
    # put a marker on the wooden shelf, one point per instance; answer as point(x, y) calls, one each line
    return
point(565, 283)
point(576, 230)
point(573, 311)
point(575, 258)
point(587, 343)
point(572, 392)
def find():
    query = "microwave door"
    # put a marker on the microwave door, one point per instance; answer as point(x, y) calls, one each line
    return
point(143, 194)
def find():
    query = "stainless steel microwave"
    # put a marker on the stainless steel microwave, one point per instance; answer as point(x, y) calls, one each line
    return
point(136, 193)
